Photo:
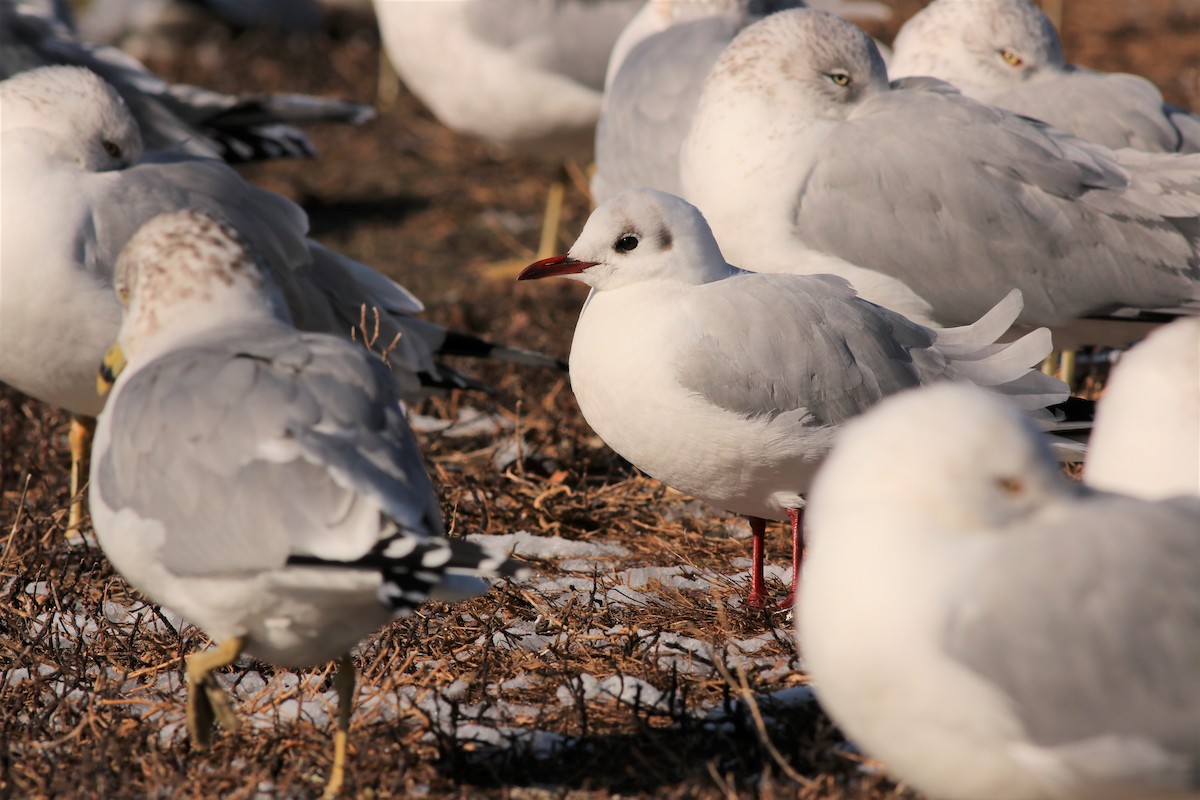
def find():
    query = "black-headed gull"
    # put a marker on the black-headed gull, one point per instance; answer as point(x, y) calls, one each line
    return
point(173, 116)
point(1146, 440)
point(800, 143)
point(259, 481)
point(1007, 53)
point(990, 629)
point(731, 386)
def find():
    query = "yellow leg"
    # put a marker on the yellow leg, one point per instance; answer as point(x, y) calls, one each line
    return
point(206, 700)
point(1066, 368)
point(80, 438)
point(551, 220)
point(1050, 365)
point(508, 269)
point(344, 682)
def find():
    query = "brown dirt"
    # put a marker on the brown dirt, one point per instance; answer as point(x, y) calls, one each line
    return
point(428, 207)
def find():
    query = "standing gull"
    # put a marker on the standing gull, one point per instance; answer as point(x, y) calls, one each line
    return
point(1007, 53)
point(259, 481)
point(799, 143)
point(991, 630)
point(175, 116)
point(1146, 441)
point(731, 385)
point(525, 75)
point(71, 151)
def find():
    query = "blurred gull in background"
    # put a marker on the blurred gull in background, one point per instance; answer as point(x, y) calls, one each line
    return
point(1146, 440)
point(171, 116)
point(799, 143)
point(71, 151)
point(1007, 53)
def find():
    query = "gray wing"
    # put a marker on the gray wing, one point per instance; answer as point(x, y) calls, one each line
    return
point(1088, 619)
point(964, 201)
point(769, 344)
point(324, 291)
point(1110, 109)
point(567, 37)
point(649, 107)
point(274, 446)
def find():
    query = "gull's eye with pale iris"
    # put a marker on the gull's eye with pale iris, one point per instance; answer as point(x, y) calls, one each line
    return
point(626, 243)
point(839, 77)
point(1011, 58)
point(111, 147)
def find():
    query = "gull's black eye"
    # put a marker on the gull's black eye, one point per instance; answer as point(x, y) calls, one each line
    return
point(111, 147)
point(626, 243)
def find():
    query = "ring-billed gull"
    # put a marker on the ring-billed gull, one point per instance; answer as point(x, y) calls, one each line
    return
point(170, 115)
point(72, 152)
point(800, 143)
point(1146, 440)
point(1007, 53)
point(730, 385)
point(259, 481)
point(990, 629)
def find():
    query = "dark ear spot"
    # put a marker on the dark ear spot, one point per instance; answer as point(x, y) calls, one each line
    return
point(664, 238)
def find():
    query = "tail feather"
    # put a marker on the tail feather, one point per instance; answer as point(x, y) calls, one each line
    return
point(966, 339)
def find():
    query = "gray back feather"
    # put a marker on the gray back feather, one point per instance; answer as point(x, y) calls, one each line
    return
point(1091, 626)
point(296, 436)
point(809, 343)
point(649, 106)
point(982, 201)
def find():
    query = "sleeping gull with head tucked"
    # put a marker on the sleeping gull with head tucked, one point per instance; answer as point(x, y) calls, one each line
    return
point(259, 481)
point(991, 630)
point(800, 143)
point(730, 385)
point(1007, 53)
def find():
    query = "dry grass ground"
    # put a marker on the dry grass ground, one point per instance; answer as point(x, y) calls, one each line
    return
point(591, 679)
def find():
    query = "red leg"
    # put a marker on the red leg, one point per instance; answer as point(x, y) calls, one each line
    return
point(796, 518)
point(758, 587)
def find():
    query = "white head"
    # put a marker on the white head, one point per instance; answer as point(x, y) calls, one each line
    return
point(949, 456)
point(639, 235)
point(80, 116)
point(800, 60)
point(186, 271)
point(987, 44)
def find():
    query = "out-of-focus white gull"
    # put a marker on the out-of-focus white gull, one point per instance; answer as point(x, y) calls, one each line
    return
point(259, 481)
point(655, 74)
point(524, 74)
point(71, 152)
point(1007, 53)
point(171, 116)
point(731, 385)
point(1146, 440)
point(991, 630)
point(800, 143)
